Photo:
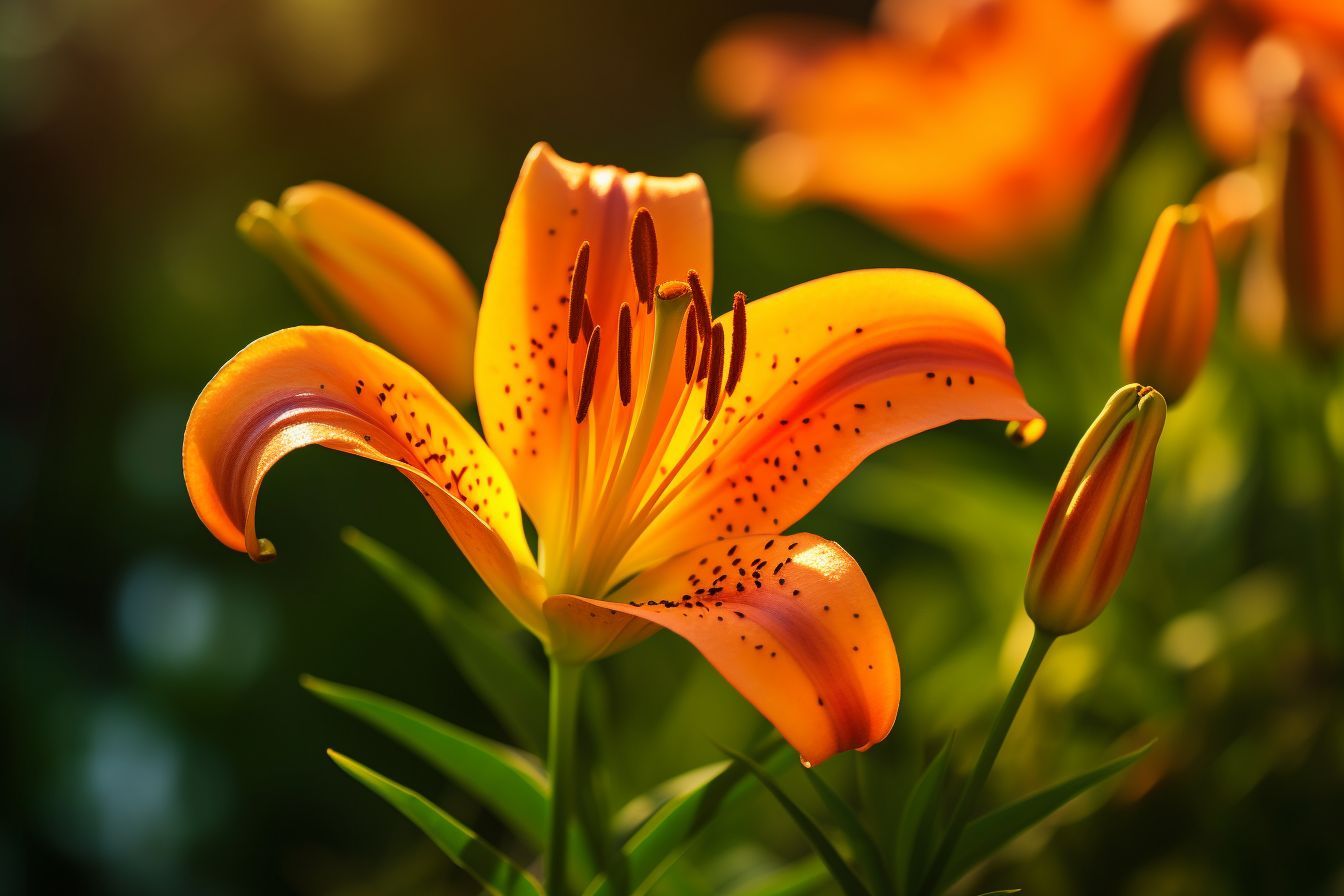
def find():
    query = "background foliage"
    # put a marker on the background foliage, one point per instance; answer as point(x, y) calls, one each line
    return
point(156, 736)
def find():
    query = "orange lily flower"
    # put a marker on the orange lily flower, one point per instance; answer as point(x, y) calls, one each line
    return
point(659, 453)
point(357, 262)
point(975, 128)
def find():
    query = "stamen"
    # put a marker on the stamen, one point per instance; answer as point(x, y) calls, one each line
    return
point(739, 355)
point(702, 319)
point(692, 343)
point(578, 284)
point(715, 356)
point(644, 255)
point(589, 375)
point(624, 334)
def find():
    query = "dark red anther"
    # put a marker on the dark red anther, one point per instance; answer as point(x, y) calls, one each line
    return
point(624, 336)
point(589, 376)
point(715, 356)
point(644, 255)
point(700, 302)
point(578, 284)
point(692, 343)
point(739, 353)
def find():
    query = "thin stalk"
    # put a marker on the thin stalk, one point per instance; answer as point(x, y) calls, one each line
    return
point(970, 794)
point(560, 764)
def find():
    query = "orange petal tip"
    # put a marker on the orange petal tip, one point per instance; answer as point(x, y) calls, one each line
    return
point(1025, 433)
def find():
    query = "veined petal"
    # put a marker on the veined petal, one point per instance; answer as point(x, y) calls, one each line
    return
point(522, 353)
point(835, 369)
point(789, 620)
point(323, 386)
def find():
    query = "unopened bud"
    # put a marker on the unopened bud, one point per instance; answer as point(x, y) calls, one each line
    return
point(1313, 229)
point(1090, 530)
point(366, 268)
point(1173, 304)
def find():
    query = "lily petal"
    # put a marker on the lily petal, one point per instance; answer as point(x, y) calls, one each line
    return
point(835, 369)
point(522, 362)
point(323, 386)
point(789, 620)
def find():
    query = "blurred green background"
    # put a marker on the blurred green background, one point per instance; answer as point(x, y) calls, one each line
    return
point(155, 736)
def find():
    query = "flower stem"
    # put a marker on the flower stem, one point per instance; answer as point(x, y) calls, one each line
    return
point(1012, 702)
point(560, 763)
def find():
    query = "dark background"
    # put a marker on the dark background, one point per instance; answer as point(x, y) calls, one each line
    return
point(155, 739)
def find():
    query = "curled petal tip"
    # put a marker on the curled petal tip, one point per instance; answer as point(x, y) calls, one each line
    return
point(1025, 433)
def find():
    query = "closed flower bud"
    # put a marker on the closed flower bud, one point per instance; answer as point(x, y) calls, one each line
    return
point(1173, 305)
point(1313, 230)
point(366, 268)
point(1089, 532)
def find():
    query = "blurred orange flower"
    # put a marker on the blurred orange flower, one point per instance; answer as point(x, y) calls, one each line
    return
point(1265, 81)
point(975, 128)
point(658, 452)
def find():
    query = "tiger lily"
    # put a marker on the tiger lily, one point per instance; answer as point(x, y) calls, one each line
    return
point(977, 129)
point(659, 453)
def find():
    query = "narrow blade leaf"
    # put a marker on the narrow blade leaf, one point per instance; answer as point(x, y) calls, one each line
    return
point(504, 780)
point(491, 868)
point(808, 875)
point(990, 832)
point(915, 836)
point(844, 875)
point(866, 853)
point(498, 670)
point(666, 836)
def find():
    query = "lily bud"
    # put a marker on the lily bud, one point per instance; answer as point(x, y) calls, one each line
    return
point(1173, 305)
point(1089, 532)
point(366, 268)
point(1313, 230)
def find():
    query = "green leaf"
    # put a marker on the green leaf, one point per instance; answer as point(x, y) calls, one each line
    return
point(498, 669)
point(844, 876)
point(914, 837)
point(491, 868)
point(799, 879)
point(666, 836)
point(991, 831)
point(640, 809)
point(1002, 892)
point(504, 780)
point(866, 853)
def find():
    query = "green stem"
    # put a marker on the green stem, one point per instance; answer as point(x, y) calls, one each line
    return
point(560, 763)
point(1040, 643)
